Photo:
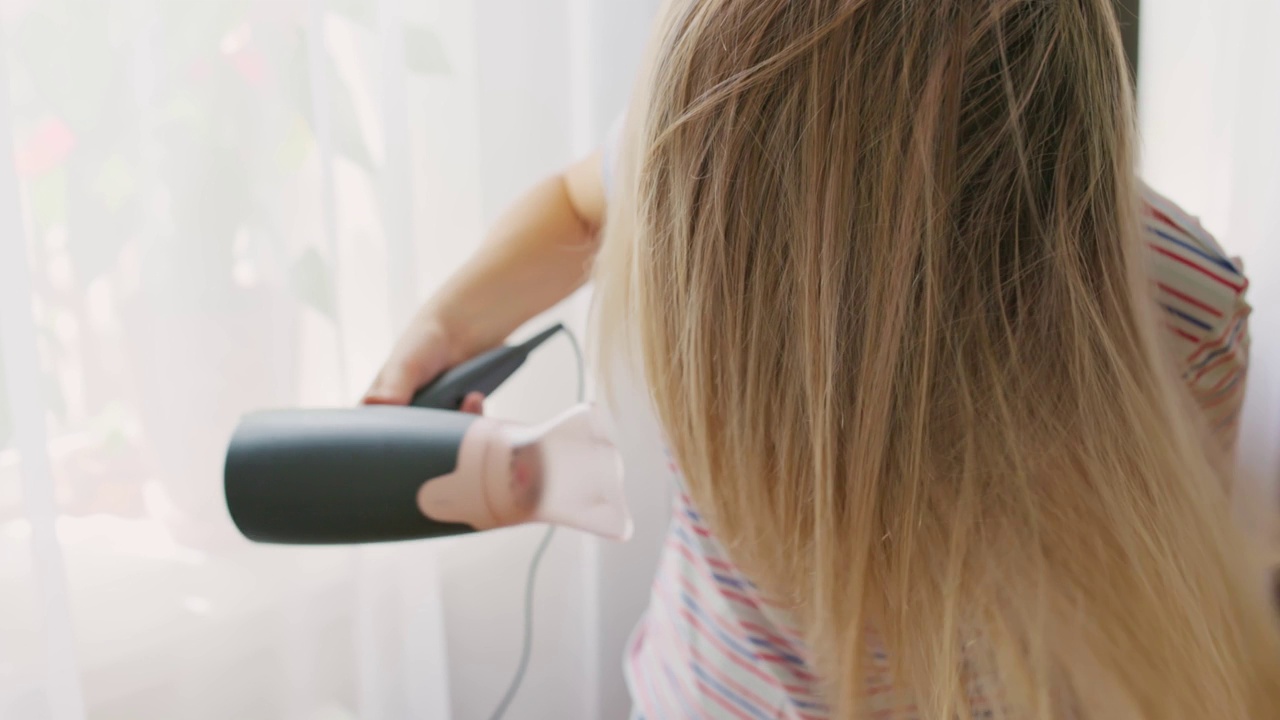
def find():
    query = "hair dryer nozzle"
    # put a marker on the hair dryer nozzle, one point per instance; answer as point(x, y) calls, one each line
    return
point(563, 472)
point(583, 473)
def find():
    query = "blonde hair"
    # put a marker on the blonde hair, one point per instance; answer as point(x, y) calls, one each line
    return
point(882, 261)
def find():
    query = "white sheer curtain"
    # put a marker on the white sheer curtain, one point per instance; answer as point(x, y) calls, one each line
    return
point(1209, 97)
point(208, 207)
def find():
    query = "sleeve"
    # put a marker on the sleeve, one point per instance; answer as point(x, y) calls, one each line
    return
point(1201, 293)
point(1217, 373)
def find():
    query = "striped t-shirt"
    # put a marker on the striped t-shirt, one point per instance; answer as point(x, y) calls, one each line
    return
point(711, 647)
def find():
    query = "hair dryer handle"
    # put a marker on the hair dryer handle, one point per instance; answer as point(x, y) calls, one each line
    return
point(482, 373)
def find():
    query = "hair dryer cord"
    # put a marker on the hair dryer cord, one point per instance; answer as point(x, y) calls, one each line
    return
point(526, 647)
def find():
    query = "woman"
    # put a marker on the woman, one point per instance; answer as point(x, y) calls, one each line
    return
point(951, 393)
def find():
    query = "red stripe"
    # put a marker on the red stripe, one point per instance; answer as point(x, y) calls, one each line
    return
point(1190, 300)
point(774, 658)
point(722, 677)
point(726, 626)
point(667, 638)
point(690, 694)
point(1218, 341)
point(686, 695)
point(721, 590)
point(1235, 392)
point(703, 532)
point(721, 701)
point(646, 703)
point(1217, 363)
point(1236, 348)
point(1170, 222)
point(727, 652)
point(724, 649)
point(647, 696)
point(1197, 268)
point(767, 634)
point(694, 561)
point(1226, 379)
point(716, 563)
point(708, 664)
point(792, 689)
point(690, 513)
point(737, 659)
point(720, 564)
point(1182, 333)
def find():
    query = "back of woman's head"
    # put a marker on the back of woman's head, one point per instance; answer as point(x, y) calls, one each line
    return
point(882, 258)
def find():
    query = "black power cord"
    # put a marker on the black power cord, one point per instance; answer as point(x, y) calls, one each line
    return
point(526, 648)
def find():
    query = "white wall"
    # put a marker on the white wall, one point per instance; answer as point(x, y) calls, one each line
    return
point(1209, 100)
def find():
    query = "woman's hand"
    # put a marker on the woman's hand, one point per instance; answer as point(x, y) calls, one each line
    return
point(538, 252)
point(423, 352)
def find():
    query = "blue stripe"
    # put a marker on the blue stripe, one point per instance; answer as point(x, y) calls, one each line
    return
point(727, 580)
point(684, 539)
point(1189, 318)
point(713, 627)
point(1216, 260)
point(1209, 358)
point(719, 577)
point(793, 659)
point(820, 707)
point(1230, 343)
point(728, 693)
point(653, 691)
point(678, 690)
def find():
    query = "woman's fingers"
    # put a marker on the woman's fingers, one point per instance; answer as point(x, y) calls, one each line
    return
point(473, 403)
point(422, 353)
point(390, 387)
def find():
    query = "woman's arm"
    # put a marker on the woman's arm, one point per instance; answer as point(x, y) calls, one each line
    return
point(538, 252)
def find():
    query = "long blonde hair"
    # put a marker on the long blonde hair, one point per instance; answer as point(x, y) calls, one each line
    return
point(882, 261)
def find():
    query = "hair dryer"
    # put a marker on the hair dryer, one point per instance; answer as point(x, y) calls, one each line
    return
point(385, 473)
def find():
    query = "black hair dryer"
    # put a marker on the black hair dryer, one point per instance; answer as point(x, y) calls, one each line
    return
point(384, 473)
